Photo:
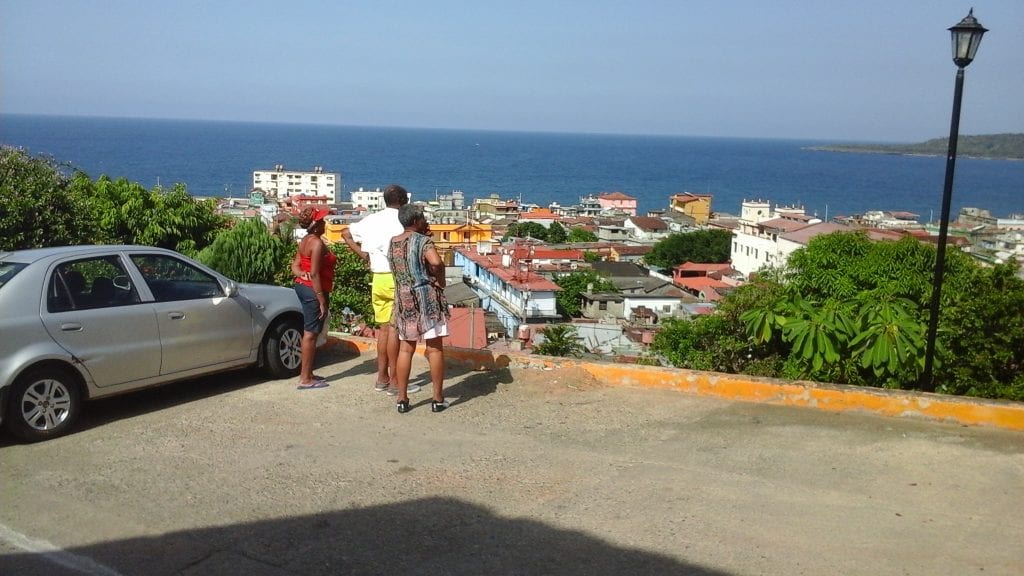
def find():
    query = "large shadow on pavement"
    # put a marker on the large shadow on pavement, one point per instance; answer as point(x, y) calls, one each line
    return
point(432, 536)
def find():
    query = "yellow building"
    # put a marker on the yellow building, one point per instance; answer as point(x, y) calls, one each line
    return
point(696, 206)
point(332, 232)
point(448, 237)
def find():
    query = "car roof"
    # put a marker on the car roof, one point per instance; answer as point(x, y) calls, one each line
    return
point(35, 254)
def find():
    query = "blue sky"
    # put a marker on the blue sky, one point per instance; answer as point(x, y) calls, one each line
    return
point(839, 69)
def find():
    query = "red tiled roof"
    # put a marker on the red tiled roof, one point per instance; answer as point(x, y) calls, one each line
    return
point(687, 197)
point(783, 224)
point(702, 284)
point(614, 196)
point(540, 253)
point(538, 214)
point(703, 267)
point(804, 234)
point(632, 250)
point(884, 234)
point(519, 279)
point(649, 223)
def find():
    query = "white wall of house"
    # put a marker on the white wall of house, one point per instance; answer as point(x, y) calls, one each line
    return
point(601, 338)
point(283, 183)
point(751, 251)
point(662, 306)
point(642, 235)
point(613, 233)
point(513, 306)
point(371, 200)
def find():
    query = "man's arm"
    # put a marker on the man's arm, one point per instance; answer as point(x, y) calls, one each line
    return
point(346, 235)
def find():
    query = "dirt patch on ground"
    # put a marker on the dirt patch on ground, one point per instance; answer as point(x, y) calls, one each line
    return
point(558, 381)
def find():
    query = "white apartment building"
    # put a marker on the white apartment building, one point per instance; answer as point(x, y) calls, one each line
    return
point(371, 200)
point(278, 184)
point(756, 242)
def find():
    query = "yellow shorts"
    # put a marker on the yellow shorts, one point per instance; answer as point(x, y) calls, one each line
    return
point(382, 297)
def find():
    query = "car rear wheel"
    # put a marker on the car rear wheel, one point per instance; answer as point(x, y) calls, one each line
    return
point(44, 403)
point(283, 349)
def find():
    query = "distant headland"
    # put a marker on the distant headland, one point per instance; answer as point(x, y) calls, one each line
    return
point(992, 146)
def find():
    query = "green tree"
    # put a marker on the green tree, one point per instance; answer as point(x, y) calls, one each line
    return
point(981, 332)
point(719, 341)
point(248, 252)
point(560, 340)
point(573, 286)
point(352, 279)
point(707, 246)
point(38, 205)
point(130, 214)
point(527, 230)
point(581, 235)
point(556, 234)
point(850, 310)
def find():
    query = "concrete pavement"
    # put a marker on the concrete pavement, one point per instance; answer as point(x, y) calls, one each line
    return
point(531, 471)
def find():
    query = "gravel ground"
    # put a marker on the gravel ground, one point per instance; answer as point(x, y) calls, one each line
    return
point(529, 472)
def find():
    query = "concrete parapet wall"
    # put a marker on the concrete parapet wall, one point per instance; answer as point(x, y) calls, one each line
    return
point(830, 397)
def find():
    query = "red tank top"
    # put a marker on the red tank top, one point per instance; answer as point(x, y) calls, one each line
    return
point(326, 270)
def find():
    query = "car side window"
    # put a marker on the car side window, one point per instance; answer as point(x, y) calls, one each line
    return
point(171, 279)
point(90, 283)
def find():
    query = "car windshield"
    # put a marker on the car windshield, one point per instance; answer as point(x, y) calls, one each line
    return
point(9, 270)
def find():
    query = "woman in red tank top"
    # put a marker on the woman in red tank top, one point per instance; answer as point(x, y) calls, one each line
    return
point(313, 267)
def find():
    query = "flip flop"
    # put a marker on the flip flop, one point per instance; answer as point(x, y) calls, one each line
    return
point(319, 378)
point(312, 385)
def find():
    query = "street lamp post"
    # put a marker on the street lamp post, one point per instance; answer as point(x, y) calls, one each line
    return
point(966, 38)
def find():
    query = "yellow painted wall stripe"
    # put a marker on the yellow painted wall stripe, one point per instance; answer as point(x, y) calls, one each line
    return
point(828, 397)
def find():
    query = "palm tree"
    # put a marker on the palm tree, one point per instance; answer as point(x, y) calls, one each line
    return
point(560, 340)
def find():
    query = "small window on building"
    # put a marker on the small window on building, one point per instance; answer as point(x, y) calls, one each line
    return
point(602, 305)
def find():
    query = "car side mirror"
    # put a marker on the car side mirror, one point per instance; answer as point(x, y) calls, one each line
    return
point(231, 289)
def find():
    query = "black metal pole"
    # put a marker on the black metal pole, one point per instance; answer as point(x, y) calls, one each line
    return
point(927, 382)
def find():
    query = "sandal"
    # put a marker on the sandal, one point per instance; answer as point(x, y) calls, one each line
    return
point(312, 385)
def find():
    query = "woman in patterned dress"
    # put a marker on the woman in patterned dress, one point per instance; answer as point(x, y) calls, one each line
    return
point(421, 311)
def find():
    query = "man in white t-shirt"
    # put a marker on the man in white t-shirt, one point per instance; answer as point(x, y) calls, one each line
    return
point(370, 238)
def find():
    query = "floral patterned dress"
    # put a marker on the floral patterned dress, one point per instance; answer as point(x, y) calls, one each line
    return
point(419, 303)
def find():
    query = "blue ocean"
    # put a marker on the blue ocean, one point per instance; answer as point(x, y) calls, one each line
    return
point(218, 158)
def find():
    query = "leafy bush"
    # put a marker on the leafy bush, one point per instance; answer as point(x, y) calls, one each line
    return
point(560, 340)
point(39, 206)
point(248, 252)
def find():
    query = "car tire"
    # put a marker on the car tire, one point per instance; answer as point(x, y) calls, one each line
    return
point(283, 349)
point(44, 404)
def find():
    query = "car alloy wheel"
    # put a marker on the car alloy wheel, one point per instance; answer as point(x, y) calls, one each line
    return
point(291, 348)
point(44, 404)
point(282, 349)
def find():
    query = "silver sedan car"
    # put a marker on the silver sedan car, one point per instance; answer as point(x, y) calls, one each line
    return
point(82, 322)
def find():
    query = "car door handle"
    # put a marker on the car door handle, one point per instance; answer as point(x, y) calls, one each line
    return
point(71, 327)
point(175, 315)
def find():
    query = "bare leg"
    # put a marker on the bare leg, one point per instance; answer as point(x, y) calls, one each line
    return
point(406, 348)
point(435, 358)
point(383, 361)
point(308, 354)
point(393, 354)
